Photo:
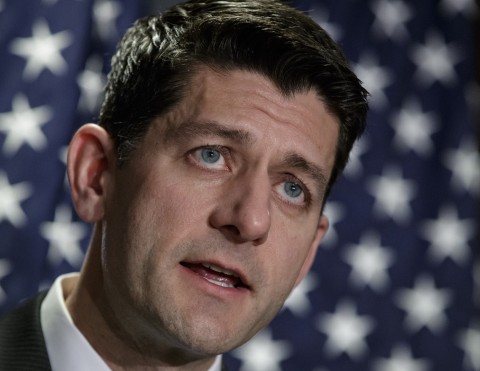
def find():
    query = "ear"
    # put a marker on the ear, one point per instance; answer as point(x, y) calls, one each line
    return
point(321, 230)
point(90, 161)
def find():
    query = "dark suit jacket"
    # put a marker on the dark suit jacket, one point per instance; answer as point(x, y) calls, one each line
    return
point(22, 346)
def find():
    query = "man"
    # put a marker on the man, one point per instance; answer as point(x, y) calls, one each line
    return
point(224, 127)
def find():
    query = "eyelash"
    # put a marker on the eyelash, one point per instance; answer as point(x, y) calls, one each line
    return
point(225, 153)
point(307, 195)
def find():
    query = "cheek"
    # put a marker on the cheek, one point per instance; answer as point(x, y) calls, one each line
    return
point(285, 258)
point(174, 214)
point(146, 229)
point(130, 229)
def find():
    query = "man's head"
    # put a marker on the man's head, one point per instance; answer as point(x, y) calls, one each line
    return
point(225, 125)
point(159, 56)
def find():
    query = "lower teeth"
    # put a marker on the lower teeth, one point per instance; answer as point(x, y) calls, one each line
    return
point(222, 284)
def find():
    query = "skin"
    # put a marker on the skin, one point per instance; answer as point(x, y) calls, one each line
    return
point(234, 176)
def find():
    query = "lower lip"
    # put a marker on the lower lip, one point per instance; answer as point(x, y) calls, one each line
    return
point(214, 289)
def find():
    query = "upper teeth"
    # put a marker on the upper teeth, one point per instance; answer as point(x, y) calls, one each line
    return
point(219, 269)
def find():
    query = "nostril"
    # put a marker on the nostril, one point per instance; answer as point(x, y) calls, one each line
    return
point(261, 239)
point(231, 232)
point(232, 229)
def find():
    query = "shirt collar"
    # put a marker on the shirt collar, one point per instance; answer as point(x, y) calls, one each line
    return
point(67, 348)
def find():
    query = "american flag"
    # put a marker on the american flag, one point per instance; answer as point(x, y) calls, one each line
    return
point(395, 286)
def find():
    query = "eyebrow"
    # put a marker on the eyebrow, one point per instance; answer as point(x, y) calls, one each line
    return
point(296, 161)
point(192, 129)
point(188, 130)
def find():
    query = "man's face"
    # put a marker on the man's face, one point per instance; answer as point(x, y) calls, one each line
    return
point(216, 216)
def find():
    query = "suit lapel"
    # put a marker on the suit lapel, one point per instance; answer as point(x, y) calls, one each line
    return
point(22, 346)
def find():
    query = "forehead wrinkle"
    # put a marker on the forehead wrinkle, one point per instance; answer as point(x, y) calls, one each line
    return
point(192, 129)
point(318, 174)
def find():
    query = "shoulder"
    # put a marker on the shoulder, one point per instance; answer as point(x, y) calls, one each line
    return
point(22, 346)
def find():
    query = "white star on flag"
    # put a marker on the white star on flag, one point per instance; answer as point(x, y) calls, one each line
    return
point(469, 341)
point(354, 166)
point(425, 305)
point(464, 163)
point(435, 61)
point(62, 156)
point(459, 6)
point(262, 353)
point(322, 18)
point(375, 79)
point(105, 13)
point(335, 212)
point(5, 269)
point(345, 330)
point(414, 129)
point(298, 302)
point(64, 236)
point(448, 236)
point(91, 82)
point(390, 18)
point(10, 198)
point(42, 50)
point(22, 125)
point(369, 261)
point(401, 360)
point(392, 194)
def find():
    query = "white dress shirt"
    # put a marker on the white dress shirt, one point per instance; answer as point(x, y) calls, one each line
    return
point(66, 346)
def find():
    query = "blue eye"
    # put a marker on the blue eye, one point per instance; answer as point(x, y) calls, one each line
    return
point(292, 189)
point(210, 158)
point(292, 192)
point(210, 155)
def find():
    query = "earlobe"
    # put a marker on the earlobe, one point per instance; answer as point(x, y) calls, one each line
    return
point(89, 163)
point(322, 228)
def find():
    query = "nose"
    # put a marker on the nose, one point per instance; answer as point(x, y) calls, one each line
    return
point(243, 214)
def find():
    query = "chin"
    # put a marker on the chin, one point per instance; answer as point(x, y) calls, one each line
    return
point(214, 341)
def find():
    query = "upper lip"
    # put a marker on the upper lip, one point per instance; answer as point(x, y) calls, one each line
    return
point(224, 268)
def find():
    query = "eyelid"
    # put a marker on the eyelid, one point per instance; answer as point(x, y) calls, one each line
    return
point(306, 191)
point(315, 175)
point(224, 152)
point(284, 177)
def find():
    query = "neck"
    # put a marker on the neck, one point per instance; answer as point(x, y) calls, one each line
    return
point(93, 316)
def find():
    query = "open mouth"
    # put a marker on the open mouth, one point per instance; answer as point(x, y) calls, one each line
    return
point(217, 275)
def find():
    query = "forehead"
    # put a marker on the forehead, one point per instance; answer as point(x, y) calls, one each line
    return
point(230, 90)
point(253, 105)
